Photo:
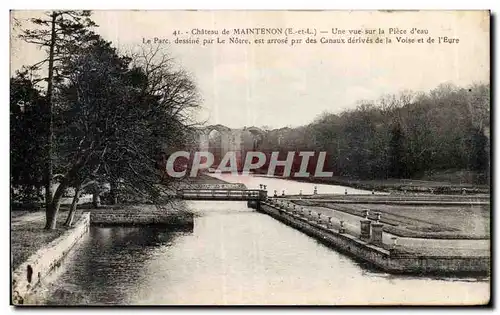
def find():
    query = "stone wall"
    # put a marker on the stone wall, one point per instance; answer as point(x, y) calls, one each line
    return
point(387, 260)
point(454, 265)
point(140, 216)
point(27, 277)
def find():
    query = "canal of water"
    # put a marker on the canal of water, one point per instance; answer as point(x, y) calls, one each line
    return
point(234, 255)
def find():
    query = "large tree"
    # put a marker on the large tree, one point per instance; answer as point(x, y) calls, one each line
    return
point(113, 119)
point(59, 33)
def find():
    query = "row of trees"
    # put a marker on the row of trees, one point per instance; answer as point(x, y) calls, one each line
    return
point(407, 135)
point(97, 117)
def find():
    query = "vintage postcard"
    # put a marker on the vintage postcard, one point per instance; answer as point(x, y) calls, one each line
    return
point(250, 157)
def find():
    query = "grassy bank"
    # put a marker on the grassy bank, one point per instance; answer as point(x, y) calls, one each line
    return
point(28, 234)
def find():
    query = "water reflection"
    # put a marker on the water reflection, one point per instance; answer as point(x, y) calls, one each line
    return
point(289, 187)
point(107, 260)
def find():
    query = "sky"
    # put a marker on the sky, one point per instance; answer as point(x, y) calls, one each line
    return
point(278, 85)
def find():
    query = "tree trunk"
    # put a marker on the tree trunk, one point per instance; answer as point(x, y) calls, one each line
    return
point(96, 199)
point(74, 204)
point(50, 222)
point(53, 210)
point(49, 211)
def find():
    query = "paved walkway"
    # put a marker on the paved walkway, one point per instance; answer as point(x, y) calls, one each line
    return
point(450, 247)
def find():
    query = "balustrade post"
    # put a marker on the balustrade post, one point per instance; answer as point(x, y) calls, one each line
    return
point(342, 227)
point(376, 236)
point(365, 230)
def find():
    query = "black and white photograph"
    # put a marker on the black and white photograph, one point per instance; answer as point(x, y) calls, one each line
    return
point(250, 158)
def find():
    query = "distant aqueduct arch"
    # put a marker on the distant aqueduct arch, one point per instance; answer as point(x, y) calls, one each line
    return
point(237, 140)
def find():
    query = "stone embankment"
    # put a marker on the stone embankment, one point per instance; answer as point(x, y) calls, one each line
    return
point(369, 246)
point(30, 274)
point(146, 215)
